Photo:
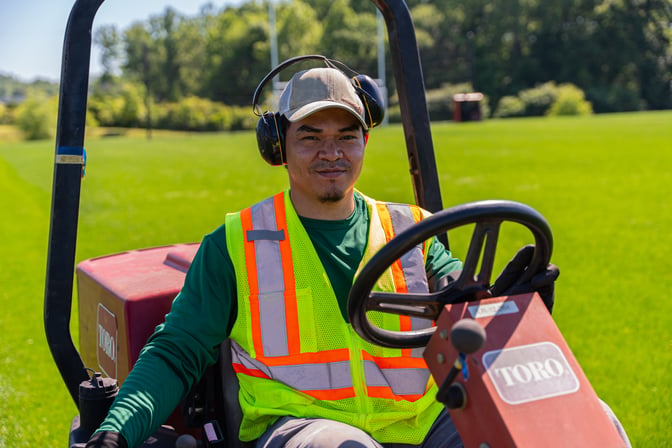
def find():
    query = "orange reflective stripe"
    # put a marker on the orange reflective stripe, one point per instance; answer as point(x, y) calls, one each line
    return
point(291, 309)
point(386, 392)
point(399, 279)
point(250, 258)
point(405, 324)
point(334, 394)
point(341, 354)
point(395, 362)
point(385, 220)
point(417, 213)
point(251, 267)
point(239, 368)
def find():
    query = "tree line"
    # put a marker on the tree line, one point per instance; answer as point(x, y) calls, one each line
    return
point(199, 72)
point(617, 51)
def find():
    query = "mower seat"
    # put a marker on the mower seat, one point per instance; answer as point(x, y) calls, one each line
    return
point(227, 406)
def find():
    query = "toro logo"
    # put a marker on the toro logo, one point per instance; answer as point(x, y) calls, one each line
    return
point(107, 341)
point(530, 372)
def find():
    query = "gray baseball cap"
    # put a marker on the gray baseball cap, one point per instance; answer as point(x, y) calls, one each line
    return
point(310, 91)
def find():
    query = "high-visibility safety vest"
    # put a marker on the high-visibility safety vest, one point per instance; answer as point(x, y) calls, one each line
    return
point(293, 352)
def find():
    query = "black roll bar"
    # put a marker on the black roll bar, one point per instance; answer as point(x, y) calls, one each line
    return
point(412, 102)
point(68, 170)
point(70, 160)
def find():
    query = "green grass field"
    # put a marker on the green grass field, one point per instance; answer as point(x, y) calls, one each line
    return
point(603, 182)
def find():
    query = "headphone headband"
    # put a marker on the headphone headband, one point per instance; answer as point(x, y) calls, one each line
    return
point(278, 69)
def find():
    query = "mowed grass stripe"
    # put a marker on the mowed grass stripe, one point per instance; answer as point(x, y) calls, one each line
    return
point(36, 408)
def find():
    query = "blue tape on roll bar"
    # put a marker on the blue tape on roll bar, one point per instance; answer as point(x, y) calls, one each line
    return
point(72, 155)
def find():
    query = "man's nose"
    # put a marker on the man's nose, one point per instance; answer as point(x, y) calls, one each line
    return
point(331, 150)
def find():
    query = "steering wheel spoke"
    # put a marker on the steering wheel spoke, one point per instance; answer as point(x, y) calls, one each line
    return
point(481, 249)
point(418, 305)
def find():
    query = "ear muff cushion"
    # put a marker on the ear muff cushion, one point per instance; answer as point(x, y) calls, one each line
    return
point(372, 98)
point(271, 138)
point(270, 131)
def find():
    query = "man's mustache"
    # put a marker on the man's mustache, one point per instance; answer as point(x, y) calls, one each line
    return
point(338, 165)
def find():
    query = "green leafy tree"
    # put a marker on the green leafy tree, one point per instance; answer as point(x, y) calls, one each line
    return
point(143, 58)
point(164, 32)
point(36, 116)
point(119, 104)
point(191, 56)
point(108, 39)
point(299, 29)
point(237, 53)
point(349, 36)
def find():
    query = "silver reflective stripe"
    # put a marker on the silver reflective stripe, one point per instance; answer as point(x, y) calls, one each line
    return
point(418, 352)
point(402, 217)
point(273, 326)
point(402, 381)
point(267, 252)
point(239, 356)
point(322, 376)
point(413, 261)
point(413, 265)
point(418, 323)
point(271, 282)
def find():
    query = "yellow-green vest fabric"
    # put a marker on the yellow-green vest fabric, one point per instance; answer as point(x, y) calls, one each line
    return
point(292, 351)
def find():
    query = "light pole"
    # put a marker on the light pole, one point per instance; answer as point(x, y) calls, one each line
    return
point(381, 61)
point(274, 41)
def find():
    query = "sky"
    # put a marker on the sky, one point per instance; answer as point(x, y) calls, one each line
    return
point(32, 31)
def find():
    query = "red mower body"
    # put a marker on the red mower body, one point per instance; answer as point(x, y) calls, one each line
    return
point(524, 387)
point(122, 298)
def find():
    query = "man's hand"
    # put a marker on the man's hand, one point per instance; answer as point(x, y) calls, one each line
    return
point(543, 283)
point(107, 439)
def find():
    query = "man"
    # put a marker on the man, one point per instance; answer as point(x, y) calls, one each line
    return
point(275, 279)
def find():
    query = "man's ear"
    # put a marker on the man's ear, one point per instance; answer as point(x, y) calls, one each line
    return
point(366, 138)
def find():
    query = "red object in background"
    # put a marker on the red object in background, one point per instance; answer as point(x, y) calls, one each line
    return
point(524, 386)
point(122, 298)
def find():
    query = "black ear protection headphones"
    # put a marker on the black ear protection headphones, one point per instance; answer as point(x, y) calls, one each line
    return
point(270, 127)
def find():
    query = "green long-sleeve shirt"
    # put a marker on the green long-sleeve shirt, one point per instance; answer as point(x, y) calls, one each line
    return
point(203, 313)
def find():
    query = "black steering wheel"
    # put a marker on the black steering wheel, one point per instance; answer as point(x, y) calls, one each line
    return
point(488, 217)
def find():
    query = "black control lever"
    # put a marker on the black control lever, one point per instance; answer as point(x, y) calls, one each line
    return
point(467, 336)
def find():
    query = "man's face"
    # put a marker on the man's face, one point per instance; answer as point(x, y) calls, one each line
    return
point(325, 152)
